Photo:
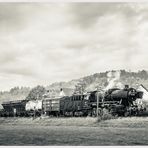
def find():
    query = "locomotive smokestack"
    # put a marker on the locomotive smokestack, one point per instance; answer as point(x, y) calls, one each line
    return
point(126, 87)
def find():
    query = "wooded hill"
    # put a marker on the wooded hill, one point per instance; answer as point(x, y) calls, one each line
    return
point(90, 83)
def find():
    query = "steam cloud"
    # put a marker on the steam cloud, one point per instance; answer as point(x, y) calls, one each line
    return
point(113, 78)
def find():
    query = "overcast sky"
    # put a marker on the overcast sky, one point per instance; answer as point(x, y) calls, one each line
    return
point(46, 43)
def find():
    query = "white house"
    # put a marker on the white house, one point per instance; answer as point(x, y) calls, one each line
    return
point(145, 93)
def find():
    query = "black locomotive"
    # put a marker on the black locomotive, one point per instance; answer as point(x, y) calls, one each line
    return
point(126, 95)
point(124, 100)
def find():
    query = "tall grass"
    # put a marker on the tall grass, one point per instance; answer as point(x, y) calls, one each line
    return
point(50, 121)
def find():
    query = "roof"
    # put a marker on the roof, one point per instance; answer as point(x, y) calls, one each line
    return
point(144, 87)
point(145, 92)
point(14, 101)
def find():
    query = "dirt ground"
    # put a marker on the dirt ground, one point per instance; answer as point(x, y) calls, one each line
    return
point(74, 131)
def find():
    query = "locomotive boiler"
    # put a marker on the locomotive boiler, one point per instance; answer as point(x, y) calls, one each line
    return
point(126, 96)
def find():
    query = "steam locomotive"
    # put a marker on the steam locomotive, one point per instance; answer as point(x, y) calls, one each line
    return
point(117, 101)
point(125, 100)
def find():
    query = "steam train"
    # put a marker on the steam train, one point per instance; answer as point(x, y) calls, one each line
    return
point(116, 101)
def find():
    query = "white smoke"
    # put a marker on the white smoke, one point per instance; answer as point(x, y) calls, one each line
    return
point(113, 78)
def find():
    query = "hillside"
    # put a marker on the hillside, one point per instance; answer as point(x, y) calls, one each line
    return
point(91, 82)
point(100, 80)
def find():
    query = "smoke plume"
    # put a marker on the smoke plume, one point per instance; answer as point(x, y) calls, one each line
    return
point(113, 78)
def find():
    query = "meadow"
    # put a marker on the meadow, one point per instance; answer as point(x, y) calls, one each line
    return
point(74, 131)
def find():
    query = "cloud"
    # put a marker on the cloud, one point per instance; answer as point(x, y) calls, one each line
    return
point(87, 14)
point(44, 43)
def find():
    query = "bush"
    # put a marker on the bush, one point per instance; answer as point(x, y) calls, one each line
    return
point(106, 115)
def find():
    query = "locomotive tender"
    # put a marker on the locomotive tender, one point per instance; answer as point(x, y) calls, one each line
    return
point(116, 101)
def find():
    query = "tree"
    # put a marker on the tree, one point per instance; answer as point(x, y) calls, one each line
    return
point(14, 91)
point(36, 93)
point(143, 74)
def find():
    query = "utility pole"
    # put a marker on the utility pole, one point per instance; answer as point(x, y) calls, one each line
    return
point(14, 112)
point(34, 112)
point(97, 103)
point(99, 90)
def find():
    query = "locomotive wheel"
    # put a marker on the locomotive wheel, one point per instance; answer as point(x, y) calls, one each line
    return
point(93, 113)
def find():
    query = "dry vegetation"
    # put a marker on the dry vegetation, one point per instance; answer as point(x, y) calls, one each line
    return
point(50, 121)
point(106, 121)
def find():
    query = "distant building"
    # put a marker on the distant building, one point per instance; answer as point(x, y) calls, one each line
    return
point(145, 93)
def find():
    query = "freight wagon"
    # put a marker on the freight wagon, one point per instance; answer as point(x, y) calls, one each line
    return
point(14, 108)
point(75, 105)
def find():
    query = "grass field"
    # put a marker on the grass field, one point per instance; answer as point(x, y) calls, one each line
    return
point(74, 131)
